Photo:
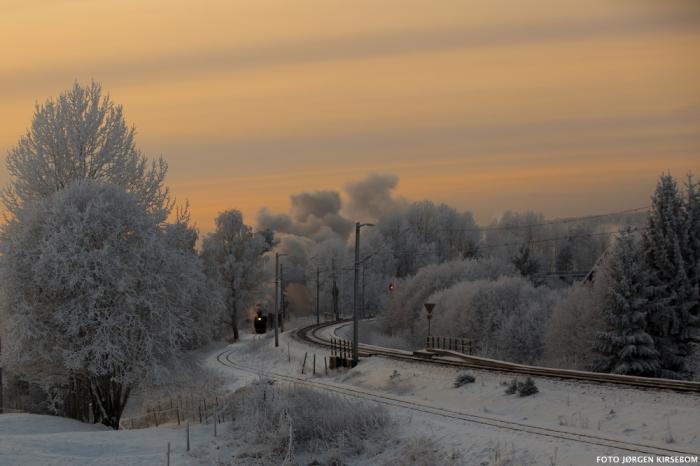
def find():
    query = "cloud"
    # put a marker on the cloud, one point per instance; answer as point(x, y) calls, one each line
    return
point(383, 43)
point(317, 204)
point(320, 215)
point(371, 197)
point(313, 215)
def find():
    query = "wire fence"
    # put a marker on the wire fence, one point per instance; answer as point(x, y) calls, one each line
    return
point(177, 411)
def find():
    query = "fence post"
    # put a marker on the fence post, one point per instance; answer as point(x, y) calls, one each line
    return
point(204, 400)
point(314, 363)
point(177, 410)
point(188, 436)
point(325, 363)
point(303, 366)
point(155, 417)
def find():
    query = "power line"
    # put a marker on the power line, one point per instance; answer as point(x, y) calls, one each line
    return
point(538, 241)
point(552, 222)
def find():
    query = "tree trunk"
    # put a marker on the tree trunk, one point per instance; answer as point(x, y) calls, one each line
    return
point(110, 398)
point(234, 321)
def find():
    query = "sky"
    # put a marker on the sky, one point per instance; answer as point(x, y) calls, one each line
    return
point(567, 108)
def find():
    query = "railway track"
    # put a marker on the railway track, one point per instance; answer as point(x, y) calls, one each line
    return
point(225, 359)
point(452, 358)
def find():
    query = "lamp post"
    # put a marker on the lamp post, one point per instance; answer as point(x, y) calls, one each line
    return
point(358, 226)
point(277, 281)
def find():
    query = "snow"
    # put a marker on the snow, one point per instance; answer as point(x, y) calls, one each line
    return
point(630, 414)
point(635, 415)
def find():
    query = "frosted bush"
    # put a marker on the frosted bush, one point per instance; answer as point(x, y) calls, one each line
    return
point(424, 451)
point(321, 423)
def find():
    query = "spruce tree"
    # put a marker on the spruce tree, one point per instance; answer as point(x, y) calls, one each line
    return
point(692, 258)
point(526, 264)
point(626, 347)
point(672, 295)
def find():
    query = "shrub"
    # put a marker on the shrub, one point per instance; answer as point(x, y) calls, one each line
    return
point(512, 387)
point(421, 451)
point(527, 388)
point(464, 379)
point(319, 422)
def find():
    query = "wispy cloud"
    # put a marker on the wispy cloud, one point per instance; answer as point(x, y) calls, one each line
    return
point(357, 46)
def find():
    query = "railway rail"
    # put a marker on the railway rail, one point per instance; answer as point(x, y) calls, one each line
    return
point(310, 334)
point(225, 359)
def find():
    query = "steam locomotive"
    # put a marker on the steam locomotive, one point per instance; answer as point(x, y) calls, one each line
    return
point(260, 321)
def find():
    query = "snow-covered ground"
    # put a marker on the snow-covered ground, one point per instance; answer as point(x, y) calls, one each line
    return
point(663, 419)
point(35, 440)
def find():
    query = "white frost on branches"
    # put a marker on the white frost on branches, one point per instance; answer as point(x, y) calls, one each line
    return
point(82, 135)
point(90, 286)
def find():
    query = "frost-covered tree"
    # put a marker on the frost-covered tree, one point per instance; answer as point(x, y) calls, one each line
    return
point(625, 346)
point(503, 318)
point(82, 135)
point(405, 312)
point(452, 234)
point(410, 253)
point(672, 321)
point(571, 332)
point(335, 264)
point(94, 295)
point(233, 257)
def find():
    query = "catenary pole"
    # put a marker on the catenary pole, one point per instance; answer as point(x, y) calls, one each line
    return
point(356, 304)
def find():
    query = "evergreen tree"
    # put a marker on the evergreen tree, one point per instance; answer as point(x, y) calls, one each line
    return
point(692, 227)
point(565, 258)
point(625, 346)
point(526, 264)
point(672, 295)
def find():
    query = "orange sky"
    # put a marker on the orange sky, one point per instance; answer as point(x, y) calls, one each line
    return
point(568, 108)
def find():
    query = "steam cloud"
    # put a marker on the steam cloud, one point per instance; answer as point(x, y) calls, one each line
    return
point(320, 215)
point(371, 197)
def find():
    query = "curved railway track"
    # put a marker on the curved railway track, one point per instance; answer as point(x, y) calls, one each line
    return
point(224, 358)
point(452, 358)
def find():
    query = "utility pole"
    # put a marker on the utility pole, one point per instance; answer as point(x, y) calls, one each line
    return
point(282, 303)
point(318, 288)
point(277, 280)
point(355, 356)
point(363, 292)
point(2, 407)
point(334, 291)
